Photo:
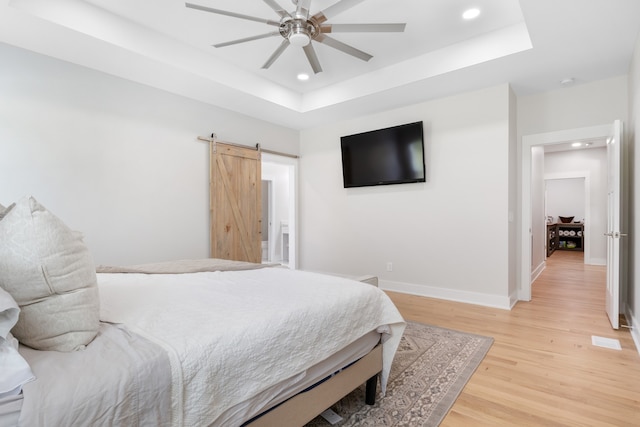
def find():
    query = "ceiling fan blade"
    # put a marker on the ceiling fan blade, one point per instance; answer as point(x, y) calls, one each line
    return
point(334, 10)
point(277, 8)
point(313, 58)
point(343, 47)
point(302, 11)
point(232, 14)
point(275, 55)
point(363, 28)
point(248, 39)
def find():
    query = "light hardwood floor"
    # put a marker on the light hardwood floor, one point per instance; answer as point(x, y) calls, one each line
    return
point(542, 369)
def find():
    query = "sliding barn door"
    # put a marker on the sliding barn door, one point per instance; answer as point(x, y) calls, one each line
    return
point(236, 216)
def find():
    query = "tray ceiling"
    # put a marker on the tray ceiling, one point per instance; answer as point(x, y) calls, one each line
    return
point(531, 44)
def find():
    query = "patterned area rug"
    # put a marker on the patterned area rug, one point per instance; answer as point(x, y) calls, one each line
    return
point(429, 371)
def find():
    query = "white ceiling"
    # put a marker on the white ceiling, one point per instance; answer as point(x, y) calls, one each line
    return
point(531, 44)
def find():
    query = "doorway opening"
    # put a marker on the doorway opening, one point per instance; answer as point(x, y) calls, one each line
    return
point(568, 195)
point(616, 261)
point(533, 225)
point(279, 240)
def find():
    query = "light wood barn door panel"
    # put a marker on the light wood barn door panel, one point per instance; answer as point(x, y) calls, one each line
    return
point(236, 215)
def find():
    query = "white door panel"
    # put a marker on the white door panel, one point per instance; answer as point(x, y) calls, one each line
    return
point(614, 155)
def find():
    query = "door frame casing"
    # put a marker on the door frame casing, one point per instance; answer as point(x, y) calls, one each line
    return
point(529, 141)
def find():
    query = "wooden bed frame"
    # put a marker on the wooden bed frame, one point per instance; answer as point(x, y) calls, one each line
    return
point(305, 406)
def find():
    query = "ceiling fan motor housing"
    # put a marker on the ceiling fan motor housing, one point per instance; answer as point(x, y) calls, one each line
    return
point(299, 32)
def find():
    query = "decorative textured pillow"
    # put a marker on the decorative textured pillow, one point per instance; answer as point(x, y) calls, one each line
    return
point(49, 272)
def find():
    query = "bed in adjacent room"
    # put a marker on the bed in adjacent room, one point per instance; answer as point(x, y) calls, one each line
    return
point(188, 343)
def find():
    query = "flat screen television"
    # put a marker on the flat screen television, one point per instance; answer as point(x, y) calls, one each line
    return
point(392, 155)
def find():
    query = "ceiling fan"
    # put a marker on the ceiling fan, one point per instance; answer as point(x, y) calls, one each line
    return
point(299, 28)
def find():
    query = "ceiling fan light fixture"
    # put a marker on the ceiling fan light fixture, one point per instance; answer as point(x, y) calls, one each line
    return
point(299, 38)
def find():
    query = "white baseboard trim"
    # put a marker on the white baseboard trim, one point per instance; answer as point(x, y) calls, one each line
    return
point(596, 261)
point(635, 327)
point(513, 299)
point(538, 270)
point(494, 301)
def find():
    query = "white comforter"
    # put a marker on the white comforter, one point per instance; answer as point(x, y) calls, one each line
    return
point(231, 335)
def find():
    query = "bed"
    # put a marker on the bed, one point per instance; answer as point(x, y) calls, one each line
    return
point(195, 342)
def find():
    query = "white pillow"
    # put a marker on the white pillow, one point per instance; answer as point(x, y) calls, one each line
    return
point(49, 272)
point(16, 372)
point(9, 312)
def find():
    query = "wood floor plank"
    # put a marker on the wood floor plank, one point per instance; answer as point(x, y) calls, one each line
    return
point(542, 369)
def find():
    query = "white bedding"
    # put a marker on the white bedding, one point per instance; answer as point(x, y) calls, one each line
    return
point(231, 335)
point(119, 379)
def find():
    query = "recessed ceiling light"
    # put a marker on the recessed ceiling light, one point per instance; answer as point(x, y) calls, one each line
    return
point(577, 144)
point(471, 13)
point(303, 76)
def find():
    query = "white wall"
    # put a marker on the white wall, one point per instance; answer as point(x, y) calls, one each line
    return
point(448, 237)
point(116, 160)
point(591, 163)
point(566, 198)
point(582, 105)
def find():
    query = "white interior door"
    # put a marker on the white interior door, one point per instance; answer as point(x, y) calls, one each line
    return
point(614, 155)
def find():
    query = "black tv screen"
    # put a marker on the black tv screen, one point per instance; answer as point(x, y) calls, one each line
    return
point(393, 155)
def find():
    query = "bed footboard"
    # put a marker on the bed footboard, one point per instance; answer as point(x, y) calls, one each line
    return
point(305, 406)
